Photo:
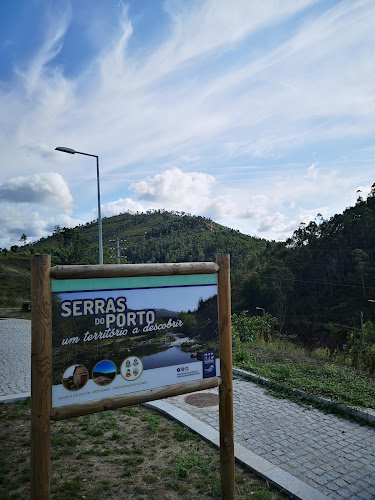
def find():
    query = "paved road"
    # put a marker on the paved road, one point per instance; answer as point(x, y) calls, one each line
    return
point(331, 454)
point(15, 356)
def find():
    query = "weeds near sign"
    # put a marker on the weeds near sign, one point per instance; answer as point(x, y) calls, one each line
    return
point(158, 459)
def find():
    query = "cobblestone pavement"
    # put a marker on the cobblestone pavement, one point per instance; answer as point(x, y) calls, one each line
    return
point(15, 356)
point(331, 454)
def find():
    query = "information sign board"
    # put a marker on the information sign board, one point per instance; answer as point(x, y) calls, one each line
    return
point(113, 336)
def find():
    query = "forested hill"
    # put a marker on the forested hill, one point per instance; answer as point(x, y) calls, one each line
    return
point(319, 285)
point(157, 236)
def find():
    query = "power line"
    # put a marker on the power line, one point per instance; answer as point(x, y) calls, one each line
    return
point(311, 282)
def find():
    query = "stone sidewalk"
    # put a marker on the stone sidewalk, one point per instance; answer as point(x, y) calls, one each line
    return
point(323, 455)
point(15, 357)
point(331, 454)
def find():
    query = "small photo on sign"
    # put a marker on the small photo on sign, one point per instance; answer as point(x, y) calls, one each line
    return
point(75, 377)
point(131, 368)
point(104, 372)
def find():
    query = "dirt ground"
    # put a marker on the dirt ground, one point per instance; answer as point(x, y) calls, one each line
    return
point(132, 453)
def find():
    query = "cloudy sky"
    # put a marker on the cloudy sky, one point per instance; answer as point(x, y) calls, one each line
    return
point(259, 115)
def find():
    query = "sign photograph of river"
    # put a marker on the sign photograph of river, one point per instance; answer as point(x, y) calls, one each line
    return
point(112, 336)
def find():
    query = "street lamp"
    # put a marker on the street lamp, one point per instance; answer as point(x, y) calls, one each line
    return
point(72, 152)
point(260, 309)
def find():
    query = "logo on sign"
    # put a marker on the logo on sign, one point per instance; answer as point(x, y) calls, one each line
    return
point(209, 364)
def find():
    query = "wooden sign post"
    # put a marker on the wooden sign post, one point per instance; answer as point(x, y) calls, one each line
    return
point(226, 386)
point(40, 377)
point(42, 407)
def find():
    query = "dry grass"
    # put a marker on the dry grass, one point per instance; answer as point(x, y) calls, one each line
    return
point(14, 313)
point(133, 453)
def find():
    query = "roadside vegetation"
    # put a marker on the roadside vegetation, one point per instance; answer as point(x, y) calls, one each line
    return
point(132, 453)
point(14, 312)
point(15, 275)
point(319, 283)
point(345, 376)
point(318, 287)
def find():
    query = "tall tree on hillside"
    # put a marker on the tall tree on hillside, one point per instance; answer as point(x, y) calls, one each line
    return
point(362, 264)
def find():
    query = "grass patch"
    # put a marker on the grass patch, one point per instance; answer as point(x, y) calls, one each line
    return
point(183, 433)
point(139, 451)
point(153, 421)
point(316, 375)
point(68, 490)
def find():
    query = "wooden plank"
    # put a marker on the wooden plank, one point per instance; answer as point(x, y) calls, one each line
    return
point(128, 270)
point(226, 387)
point(134, 398)
point(40, 377)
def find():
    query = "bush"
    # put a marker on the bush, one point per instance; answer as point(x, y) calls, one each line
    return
point(248, 329)
point(360, 348)
point(242, 327)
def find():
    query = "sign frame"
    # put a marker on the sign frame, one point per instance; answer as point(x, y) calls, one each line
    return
point(41, 362)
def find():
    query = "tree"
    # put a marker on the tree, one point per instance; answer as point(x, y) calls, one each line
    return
point(362, 264)
point(23, 238)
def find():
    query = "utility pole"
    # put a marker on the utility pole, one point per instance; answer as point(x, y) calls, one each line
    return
point(118, 250)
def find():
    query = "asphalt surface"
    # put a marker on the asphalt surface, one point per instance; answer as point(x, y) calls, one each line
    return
point(327, 455)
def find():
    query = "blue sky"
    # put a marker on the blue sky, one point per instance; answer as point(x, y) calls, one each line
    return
point(259, 115)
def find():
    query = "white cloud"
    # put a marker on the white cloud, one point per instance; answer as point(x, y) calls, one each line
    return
point(312, 172)
point(218, 88)
point(187, 189)
point(31, 205)
point(309, 215)
point(62, 220)
point(272, 222)
point(57, 25)
point(125, 105)
point(217, 24)
point(120, 206)
point(13, 223)
point(278, 226)
point(220, 207)
point(45, 190)
point(256, 207)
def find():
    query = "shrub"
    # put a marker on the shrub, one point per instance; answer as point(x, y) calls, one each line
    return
point(248, 329)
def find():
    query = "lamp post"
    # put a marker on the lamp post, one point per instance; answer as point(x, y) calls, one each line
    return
point(72, 152)
point(261, 309)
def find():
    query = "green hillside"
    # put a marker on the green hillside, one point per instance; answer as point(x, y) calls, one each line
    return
point(157, 236)
point(14, 279)
point(318, 284)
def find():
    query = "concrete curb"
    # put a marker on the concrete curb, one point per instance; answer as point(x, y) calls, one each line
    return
point(367, 415)
point(14, 397)
point(282, 480)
